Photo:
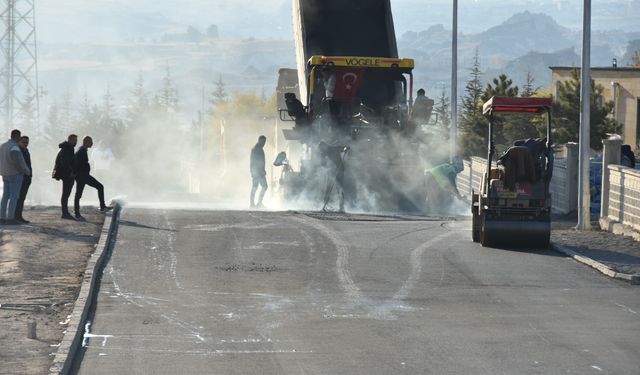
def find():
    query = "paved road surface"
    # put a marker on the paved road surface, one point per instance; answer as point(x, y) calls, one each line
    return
point(217, 292)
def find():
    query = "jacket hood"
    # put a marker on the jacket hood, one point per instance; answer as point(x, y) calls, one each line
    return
point(65, 144)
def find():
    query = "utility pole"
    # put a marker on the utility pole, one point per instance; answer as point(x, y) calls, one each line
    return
point(584, 197)
point(453, 132)
point(19, 71)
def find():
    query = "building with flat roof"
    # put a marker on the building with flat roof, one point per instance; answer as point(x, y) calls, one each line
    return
point(622, 86)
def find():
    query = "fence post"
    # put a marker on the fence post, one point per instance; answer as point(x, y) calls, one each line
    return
point(470, 179)
point(571, 182)
point(610, 155)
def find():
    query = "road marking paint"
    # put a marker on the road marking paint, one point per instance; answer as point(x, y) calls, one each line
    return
point(88, 335)
point(626, 308)
point(211, 352)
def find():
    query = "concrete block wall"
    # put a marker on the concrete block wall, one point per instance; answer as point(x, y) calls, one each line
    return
point(624, 196)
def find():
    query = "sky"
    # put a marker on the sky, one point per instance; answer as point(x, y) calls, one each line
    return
point(118, 20)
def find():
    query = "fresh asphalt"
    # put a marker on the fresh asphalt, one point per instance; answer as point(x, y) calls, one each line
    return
point(215, 292)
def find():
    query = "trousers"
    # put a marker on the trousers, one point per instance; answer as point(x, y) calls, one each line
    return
point(67, 186)
point(258, 181)
point(81, 181)
point(26, 182)
point(10, 195)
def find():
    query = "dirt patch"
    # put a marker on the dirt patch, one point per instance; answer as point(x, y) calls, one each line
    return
point(620, 253)
point(250, 267)
point(41, 268)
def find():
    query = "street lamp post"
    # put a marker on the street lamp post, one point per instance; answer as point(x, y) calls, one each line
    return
point(584, 197)
point(454, 83)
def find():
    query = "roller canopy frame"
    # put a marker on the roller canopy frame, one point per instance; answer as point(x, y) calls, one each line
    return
point(511, 104)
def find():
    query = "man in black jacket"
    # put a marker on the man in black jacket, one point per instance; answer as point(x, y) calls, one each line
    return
point(258, 173)
point(64, 171)
point(83, 177)
point(26, 181)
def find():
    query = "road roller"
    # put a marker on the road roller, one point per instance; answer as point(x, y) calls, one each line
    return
point(513, 206)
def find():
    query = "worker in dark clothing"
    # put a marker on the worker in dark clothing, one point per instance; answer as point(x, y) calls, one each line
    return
point(64, 170)
point(258, 172)
point(26, 181)
point(441, 185)
point(422, 108)
point(333, 157)
point(83, 177)
point(627, 158)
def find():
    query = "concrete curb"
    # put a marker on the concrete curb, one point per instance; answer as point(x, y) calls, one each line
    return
point(603, 268)
point(74, 334)
point(616, 227)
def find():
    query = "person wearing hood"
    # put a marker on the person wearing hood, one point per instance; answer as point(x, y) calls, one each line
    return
point(13, 168)
point(83, 177)
point(64, 171)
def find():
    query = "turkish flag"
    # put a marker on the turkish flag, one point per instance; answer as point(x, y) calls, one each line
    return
point(347, 82)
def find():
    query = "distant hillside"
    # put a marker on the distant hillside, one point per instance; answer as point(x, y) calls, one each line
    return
point(536, 63)
point(521, 33)
point(524, 42)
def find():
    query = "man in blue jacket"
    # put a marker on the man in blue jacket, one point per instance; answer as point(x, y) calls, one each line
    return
point(13, 169)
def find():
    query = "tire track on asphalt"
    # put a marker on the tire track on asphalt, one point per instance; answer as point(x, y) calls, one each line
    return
point(353, 292)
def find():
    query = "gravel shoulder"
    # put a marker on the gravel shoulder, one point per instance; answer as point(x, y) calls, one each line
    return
point(618, 252)
point(41, 269)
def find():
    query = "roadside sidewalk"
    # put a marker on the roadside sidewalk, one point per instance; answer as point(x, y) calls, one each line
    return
point(42, 266)
point(612, 254)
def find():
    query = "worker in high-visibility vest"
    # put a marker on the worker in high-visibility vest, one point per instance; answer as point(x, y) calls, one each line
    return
point(441, 185)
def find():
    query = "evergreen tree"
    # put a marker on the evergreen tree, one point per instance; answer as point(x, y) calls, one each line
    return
point(167, 97)
point(566, 113)
point(473, 125)
point(509, 127)
point(529, 89)
point(138, 103)
point(27, 114)
point(219, 94)
point(502, 86)
point(443, 111)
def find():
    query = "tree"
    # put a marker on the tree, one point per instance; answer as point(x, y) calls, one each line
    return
point(473, 126)
point(512, 126)
point(566, 111)
point(167, 97)
point(138, 103)
point(502, 86)
point(443, 111)
point(529, 89)
point(219, 94)
point(27, 112)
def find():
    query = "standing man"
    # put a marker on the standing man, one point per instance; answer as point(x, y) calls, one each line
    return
point(64, 171)
point(12, 168)
point(422, 108)
point(258, 172)
point(333, 157)
point(26, 181)
point(83, 177)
